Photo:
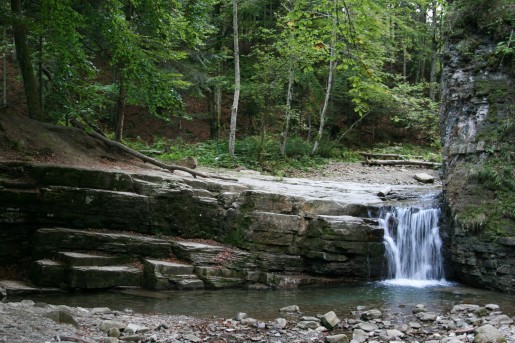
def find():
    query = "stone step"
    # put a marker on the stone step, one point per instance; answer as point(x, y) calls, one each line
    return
point(201, 254)
point(165, 275)
point(92, 277)
point(189, 282)
point(216, 277)
point(48, 241)
point(48, 273)
point(167, 269)
point(82, 259)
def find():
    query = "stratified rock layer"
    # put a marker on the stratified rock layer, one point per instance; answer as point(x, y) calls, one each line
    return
point(101, 229)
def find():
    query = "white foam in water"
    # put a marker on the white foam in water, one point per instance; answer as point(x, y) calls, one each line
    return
point(416, 283)
point(413, 247)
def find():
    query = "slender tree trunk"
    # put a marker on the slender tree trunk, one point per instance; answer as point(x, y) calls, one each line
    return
point(40, 75)
point(404, 62)
point(237, 81)
point(218, 110)
point(4, 69)
point(289, 95)
point(332, 67)
point(24, 58)
point(120, 111)
point(434, 48)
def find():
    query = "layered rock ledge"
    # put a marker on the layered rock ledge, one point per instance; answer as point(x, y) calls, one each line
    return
point(86, 228)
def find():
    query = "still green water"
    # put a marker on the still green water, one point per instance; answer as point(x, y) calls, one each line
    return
point(265, 304)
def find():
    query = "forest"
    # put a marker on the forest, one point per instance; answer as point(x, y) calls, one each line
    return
point(275, 80)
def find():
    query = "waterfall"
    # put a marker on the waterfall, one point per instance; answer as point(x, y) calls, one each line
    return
point(413, 245)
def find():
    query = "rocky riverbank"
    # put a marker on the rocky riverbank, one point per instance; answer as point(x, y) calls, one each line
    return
point(27, 321)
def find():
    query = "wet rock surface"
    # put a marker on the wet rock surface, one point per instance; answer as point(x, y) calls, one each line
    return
point(27, 321)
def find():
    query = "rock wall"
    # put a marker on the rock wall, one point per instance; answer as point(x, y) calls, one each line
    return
point(281, 234)
point(478, 140)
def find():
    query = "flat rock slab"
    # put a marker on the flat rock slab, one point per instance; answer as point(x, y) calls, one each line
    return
point(49, 240)
point(81, 259)
point(206, 254)
point(17, 288)
point(166, 268)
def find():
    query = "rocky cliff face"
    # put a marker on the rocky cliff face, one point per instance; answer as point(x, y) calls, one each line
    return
point(478, 139)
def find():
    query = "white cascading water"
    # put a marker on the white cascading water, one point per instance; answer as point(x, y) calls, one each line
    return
point(413, 246)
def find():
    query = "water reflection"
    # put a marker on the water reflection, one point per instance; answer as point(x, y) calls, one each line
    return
point(266, 304)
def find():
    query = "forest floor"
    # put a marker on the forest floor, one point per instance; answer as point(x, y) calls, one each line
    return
point(22, 139)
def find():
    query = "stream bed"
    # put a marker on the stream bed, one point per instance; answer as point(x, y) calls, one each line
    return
point(265, 304)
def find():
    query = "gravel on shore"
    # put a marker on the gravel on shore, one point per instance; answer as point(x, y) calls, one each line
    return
point(26, 321)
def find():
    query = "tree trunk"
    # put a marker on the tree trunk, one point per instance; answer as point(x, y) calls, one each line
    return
point(401, 163)
point(218, 110)
point(434, 48)
point(237, 81)
point(289, 95)
point(40, 75)
point(120, 111)
point(4, 69)
point(332, 67)
point(24, 58)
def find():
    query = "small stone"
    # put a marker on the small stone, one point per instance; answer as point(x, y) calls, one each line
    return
point(100, 310)
point(113, 332)
point(310, 319)
point(394, 333)
point(492, 307)
point(281, 323)
point(371, 314)
point(359, 335)
point(109, 324)
point(329, 320)
point(341, 338)
point(292, 308)
point(240, 315)
point(427, 316)
point(424, 178)
point(361, 308)
point(419, 308)
point(132, 338)
point(27, 303)
point(61, 316)
point(307, 325)
point(134, 328)
point(367, 327)
point(500, 319)
point(415, 325)
point(488, 334)
point(481, 312)
point(464, 308)
point(248, 321)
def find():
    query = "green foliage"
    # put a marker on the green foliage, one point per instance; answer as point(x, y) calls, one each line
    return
point(496, 17)
point(251, 152)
